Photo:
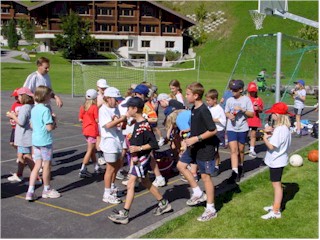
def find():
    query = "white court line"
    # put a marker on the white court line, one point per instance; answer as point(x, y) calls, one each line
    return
point(14, 159)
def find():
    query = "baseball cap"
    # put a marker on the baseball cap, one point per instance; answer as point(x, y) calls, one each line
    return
point(141, 89)
point(134, 102)
point(236, 85)
point(113, 92)
point(15, 93)
point(300, 81)
point(279, 108)
point(163, 96)
point(91, 94)
point(252, 87)
point(25, 90)
point(102, 83)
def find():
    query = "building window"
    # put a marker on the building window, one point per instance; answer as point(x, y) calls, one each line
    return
point(169, 44)
point(5, 10)
point(145, 43)
point(147, 11)
point(169, 29)
point(130, 43)
point(82, 10)
point(105, 46)
point(126, 28)
point(149, 28)
point(104, 27)
point(104, 11)
point(127, 12)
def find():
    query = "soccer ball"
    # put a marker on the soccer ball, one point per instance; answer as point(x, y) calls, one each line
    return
point(296, 160)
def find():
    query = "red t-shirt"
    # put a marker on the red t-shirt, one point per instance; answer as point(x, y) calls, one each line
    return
point(14, 108)
point(89, 121)
point(257, 103)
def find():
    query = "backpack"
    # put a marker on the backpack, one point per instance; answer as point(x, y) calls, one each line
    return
point(315, 130)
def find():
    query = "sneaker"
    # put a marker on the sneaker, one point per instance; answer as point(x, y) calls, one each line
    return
point(120, 176)
point(159, 182)
point(114, 192)
point(240, 174)
point(85, 174)
point(161, 142)
point(51, 193)
point(15, 178)
point(98, 171)
point(31, 196)
point(271, 215)
point(216, 172)
point(111, 199)
point(101, 161)
point(252, 154)
point(161, 209)
point(194, 200)
point(207, 215)
point(119, 217)
point(268, 208)
point(233, 177)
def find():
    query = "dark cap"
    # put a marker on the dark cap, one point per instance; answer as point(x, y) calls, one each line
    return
point(134, 102)
point(236, 85)
point(141, 89)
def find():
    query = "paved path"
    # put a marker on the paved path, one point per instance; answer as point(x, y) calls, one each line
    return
point(7, 56)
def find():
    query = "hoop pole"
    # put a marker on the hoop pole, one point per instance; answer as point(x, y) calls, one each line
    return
point(198, 75)
point(278, 67)
point(72, 81)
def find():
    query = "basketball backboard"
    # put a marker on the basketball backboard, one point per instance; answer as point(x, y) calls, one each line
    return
point(269, 6)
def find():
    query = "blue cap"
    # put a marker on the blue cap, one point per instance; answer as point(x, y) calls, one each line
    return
point(236, 85)
point(300, 81)
point(134, 102)
point(141, 89)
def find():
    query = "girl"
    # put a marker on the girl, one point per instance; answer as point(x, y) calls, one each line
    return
point(176, 90)
point(14, 109)
point(42, 125)
point(254, 122)
point(299, 96)
point(277, 141)
point(111, 142)
point(88, 115)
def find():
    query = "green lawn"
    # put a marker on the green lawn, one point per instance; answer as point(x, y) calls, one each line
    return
point(239, 214)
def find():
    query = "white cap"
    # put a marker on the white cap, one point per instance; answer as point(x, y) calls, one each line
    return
point(102, 83)
point(113, 92)
point(163, 96)
point(91, 94)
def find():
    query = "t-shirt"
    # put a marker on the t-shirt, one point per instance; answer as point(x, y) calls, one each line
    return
point(40, 117)
point(89, 123)
point(201, 121)
point(281, 140)
point(100, 100)
point(298, 102)
point(36, 79)
point(143, 134)
point(218, 113)
point(226, 95)
point(23, 133)
point(15, 108)
point(255, 121)
point(127, 128)
point(111, 138)
point(240, 123)
point(179, 98)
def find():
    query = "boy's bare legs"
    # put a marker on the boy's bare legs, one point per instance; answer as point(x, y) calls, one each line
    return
point(209, 187)
point(253, 135)
point(130, 192)
point(182, 167)
point(160, 180)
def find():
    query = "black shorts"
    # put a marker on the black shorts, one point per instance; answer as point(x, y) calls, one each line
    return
point(254, 128)
point(12, 135)
point(276, 174)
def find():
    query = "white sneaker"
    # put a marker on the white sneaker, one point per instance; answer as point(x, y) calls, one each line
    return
point(120, 175)
point(51, 193)
point(111, 199)
point(253, 154)
point(207, 215)
point(161, 182)
point(161, 142)
point(101, 161)
point(271, 215)
point(194, 200)
point(268, 208)
point(114, 192)
point(15, 178)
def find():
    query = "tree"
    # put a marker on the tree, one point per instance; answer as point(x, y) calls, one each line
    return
point(27, 29)
point(13, 37)
point(76, 42)
point(201, 12)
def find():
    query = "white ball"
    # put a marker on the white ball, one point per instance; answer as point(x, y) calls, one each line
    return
point(296, 160)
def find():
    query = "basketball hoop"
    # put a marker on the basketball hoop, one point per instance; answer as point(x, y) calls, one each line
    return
point(257, 18)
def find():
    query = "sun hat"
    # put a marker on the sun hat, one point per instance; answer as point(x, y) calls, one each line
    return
point(279, 108)
point(300, 81)
point(91, 94)
point(236, 85)
point(252, 87)
point(15, 93)
point(134, 102)
point(102, 83)
point(163, 96)
point(141, 89)
point(113, 92)
point(25, 90)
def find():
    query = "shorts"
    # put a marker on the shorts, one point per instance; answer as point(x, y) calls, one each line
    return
point(206, 167)
point(186, 158)
point(12, 135)
point(44, 153)
point(221, 137)
point(276, 174)
point(240, 137)
point(111, 157)
point(253, 128)
point(153, 125)
point(91, 139)
point(24, 150)
point(298, 111)
point(141, 168)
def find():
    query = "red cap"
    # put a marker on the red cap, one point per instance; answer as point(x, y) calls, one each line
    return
point(279, 108)
point(252, 87)
point(25, 90)
point(15, 93)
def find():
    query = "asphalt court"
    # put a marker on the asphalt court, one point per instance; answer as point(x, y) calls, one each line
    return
point(80, 212)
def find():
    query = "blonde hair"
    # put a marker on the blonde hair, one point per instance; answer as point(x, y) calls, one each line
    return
point(88, 103)
point(282, 120)
point(41, 94)
point(172, 117)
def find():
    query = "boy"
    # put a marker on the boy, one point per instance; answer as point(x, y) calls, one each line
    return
point(201, 144)
point(142, 142)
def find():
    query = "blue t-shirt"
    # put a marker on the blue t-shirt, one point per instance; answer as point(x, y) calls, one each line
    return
point(40, 117)
point(226, 95)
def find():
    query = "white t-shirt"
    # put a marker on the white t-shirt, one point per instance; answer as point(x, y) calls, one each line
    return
point(298, 103)
point(179, 98)
point(111, 138)
point(123, 111)
point(281, 140)
point(218, 112)
point(36, 79)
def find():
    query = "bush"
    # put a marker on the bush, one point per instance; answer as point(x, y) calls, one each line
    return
point(13, 37)
point(172, 55)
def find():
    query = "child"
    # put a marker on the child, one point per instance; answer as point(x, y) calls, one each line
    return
point(299, 96)
point(176, 90)
point(142, 143)
point(226, 95)
point(238, 109)
point(278, 141)
point(23, 132)
point(254, 122)
point(42, 125)
point(111, 141)
point(88, 116)
point(201, 146)
point(219, 118)
point(14, 109)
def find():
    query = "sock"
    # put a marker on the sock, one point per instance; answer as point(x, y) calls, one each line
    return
point(96, 166)
point(197, 191)
point(83, 167)
point(46, 188)
point(298, 132)
point(163, 201)
point(276, 208)
point(31, 189)
point(251, 148)
point(217, 166)
point(235, 170)
point(210, 206)
point(113, 186)
point(107, 191)
point(126, 211)
point(159, 177)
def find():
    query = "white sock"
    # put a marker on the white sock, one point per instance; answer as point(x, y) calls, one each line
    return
point(46, 187)
point(235, 170)
point(31, 189)
point(83, 167)
point(107, 191)
point(197, 191)
point(96, 167)
point(217, 166)
point(251, 148)
point(113, 186)
point(210, 206)
point(159, 177)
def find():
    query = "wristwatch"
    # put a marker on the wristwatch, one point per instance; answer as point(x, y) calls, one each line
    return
point(199, 138)
point(140, 148)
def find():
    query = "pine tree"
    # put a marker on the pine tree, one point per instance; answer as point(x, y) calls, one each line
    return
point(13, 37)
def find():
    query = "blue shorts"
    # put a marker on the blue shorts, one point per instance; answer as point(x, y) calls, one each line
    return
point(141, 168)
point(186, 158)
point(24, 150)
point(240, 137)
point(206, 167)
point(298, 111)
point(44, 153)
